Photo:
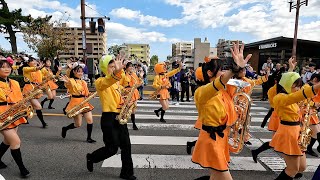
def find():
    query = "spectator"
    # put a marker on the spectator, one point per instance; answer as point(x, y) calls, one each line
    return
point(250, 73)
point(56, 65)
point(265, 86)
point(193, 83)
point(312, 70)
point(139, 72)
point(145, 69)
point(184, 79)
point(176, 85)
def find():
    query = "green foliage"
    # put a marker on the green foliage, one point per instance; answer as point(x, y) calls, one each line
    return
point(114, 50)
point(154, 60)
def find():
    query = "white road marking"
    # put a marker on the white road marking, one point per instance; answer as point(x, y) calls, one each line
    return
point(178, 162)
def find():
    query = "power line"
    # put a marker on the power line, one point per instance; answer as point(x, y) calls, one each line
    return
point(95, 10)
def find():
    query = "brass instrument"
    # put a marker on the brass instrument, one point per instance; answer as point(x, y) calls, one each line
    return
point(128, 106)
point(78, 109)
point(19, 110)
point(239, 131)
point(155, 94)
point(305, 131)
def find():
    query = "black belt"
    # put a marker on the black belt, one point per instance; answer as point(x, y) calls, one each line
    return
point(31, 83)
point(213, 130)
point(271, 109)
point(5, 103)
point(77, 96)
point(287, 123)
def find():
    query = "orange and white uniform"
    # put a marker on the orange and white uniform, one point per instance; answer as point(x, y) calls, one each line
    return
point(10, 93)
point(217, 113)
point(285, 140)
point(274, 118)
point(47, 72)
point(78, 90)
point(128, 81)
point(32, 77)
point(314, 119)
point(162, 80)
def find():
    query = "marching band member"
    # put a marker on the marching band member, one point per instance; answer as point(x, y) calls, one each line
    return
point(115, 135)
point(314, 120)
point(217, 112)
point(285, 140)
point(51, 91)
point(79, 91)
point(33, 76)
point(128, 81)
point(198, 124)
point(161, 83)
point(274, 118)
point(10, 93)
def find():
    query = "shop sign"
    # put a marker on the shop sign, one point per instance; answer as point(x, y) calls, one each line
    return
point(267, 46)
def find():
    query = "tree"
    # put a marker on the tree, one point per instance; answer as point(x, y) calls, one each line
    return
point(154, 60)
point(10, 22)
point(47, 38)
point(115, 50)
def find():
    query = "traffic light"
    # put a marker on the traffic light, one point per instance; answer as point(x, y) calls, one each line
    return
point(100, 25)
point(92, 27)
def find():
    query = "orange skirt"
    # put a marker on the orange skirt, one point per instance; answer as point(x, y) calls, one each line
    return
point(209, 153)
point(164, 94)
point(52, 85)
point(285, 140)
point(76, 101)
point(274, 122)
point(198, 124)
point(314, 120)
point(135, 96)
point(16, 123)
point(29, 87)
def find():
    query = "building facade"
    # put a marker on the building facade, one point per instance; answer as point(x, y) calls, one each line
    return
point(183, 51)
point(223, 48)
point(137, 52)
point(279, 49)
point(96, 44)
point(201, 50)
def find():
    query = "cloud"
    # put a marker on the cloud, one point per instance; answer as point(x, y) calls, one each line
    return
point(125, 13)
point(120, 32)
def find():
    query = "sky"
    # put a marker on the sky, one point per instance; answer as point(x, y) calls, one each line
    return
point(163, 22)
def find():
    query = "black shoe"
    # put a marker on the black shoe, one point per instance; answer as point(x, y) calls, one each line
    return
point(89, 163)
point(157, 112)
point(311, 153)
point(128, 177)
point(203, 178)
point(89, 140)
point(135, 127)
point(318, 148)
point(2, 165)
point(188, 100)
point(162, 120)
point(182, 100)
point(64, 132)
point(254, 156)
point(24, 173)
point(44, 125)
point(189, 147)
point(298, 176)
point(51, 108)
point(248, 143)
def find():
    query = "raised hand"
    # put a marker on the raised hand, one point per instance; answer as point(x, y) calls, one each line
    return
point(238, 55)
point(119, 64)
point(292, 64)
point(180, 64)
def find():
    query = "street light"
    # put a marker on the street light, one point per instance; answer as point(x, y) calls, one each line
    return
point(297, 6)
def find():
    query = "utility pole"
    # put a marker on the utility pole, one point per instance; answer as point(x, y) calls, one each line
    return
point(84, 34)
point(297, 6)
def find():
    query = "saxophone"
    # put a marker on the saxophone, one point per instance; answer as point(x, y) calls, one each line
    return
point(239, 131)
point(155, 94)
point(79, 109)
point(305, 132)
point(19, 110)
point(128, 106)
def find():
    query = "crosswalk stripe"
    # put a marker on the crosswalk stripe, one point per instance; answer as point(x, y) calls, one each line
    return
point(161, 140)
point(167, 117)
point(178, 162)
point(182, 127)
point(316, 144)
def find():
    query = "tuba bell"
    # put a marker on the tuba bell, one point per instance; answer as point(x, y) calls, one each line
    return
point(239, 131)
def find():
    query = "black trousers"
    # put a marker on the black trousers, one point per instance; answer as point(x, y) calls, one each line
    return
point(185, 90)
point(114, 136)
point(193, 89)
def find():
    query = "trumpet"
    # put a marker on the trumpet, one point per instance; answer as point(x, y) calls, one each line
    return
point(62, 96)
